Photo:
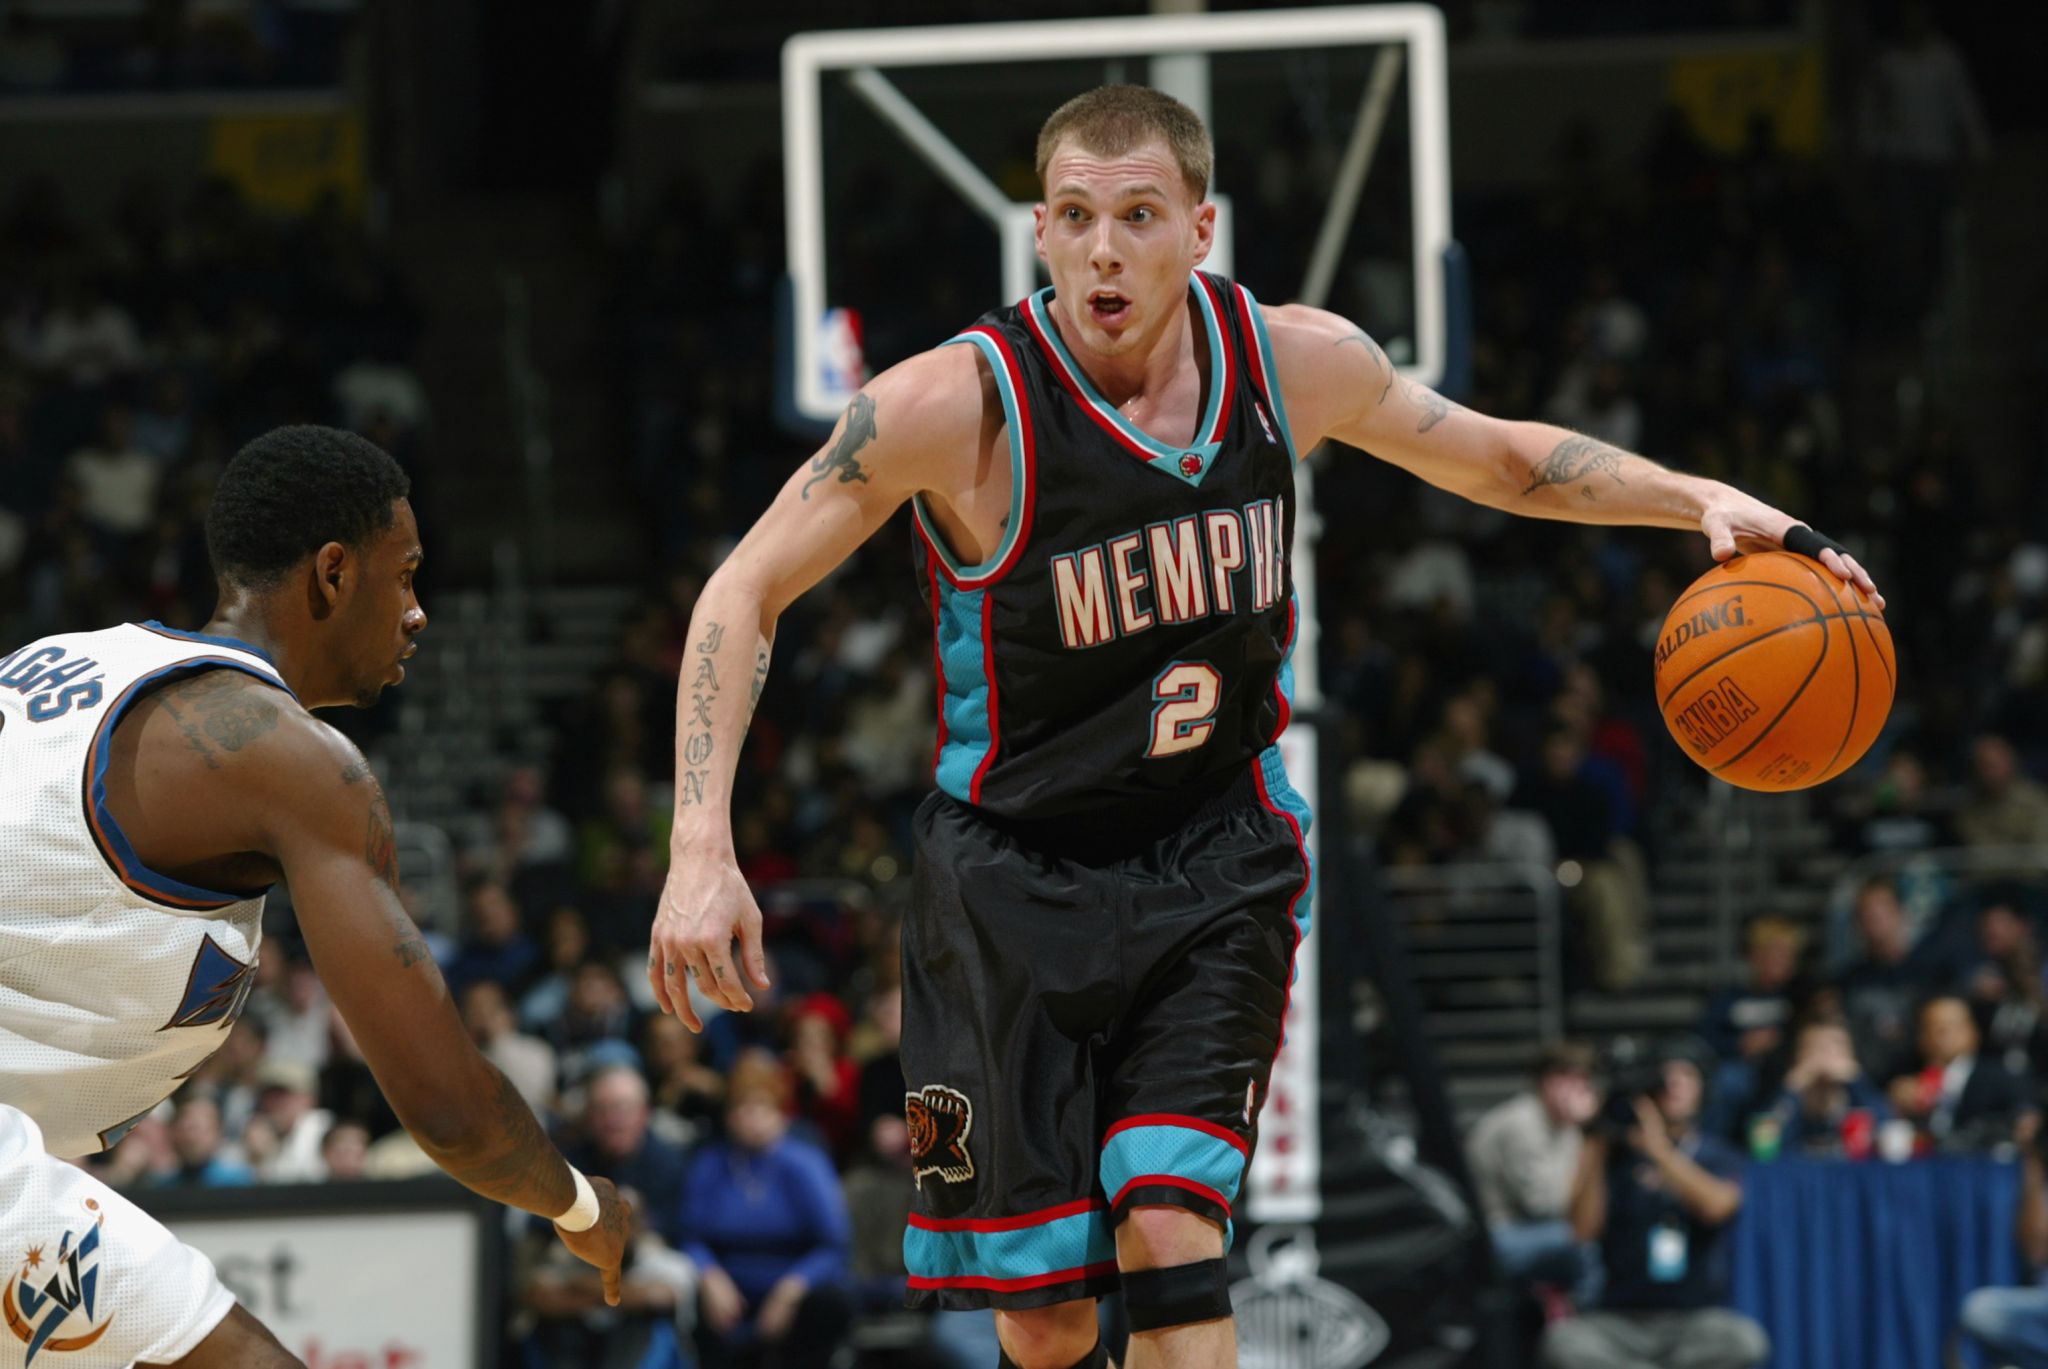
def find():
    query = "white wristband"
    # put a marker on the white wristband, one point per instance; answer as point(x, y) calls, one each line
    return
point(582, 1214)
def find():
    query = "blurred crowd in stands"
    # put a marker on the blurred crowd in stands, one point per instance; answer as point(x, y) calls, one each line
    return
point(52, 47)
point(1486, 679)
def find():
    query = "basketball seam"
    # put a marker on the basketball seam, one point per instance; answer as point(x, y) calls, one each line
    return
point(1737, 584)
point(1866, 615)
point(1779, 717)
point(1856, 676)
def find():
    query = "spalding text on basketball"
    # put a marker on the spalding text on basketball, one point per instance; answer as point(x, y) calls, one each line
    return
point(1707, 620)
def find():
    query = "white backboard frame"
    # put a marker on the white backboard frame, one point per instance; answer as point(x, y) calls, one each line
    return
point(807, 56)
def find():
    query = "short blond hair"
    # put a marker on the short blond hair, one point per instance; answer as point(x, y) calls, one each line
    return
point(1771, 929)
point(1112, 120)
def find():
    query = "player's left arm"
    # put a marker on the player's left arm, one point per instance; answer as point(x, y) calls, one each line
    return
point(1340, 385)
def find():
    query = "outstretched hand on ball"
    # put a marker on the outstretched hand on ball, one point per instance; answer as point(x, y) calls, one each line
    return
point(1736, 523)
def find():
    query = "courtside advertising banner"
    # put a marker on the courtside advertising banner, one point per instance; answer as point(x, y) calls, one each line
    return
point(373, 1290)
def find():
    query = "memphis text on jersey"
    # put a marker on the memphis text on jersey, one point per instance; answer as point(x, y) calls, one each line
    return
point(1175, 571)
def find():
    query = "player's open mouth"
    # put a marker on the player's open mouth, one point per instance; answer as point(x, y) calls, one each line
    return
point(1107, 306)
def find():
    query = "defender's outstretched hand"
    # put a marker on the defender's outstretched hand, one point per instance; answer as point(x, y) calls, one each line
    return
point(603, 1245)
point(704, 905)
point(1736, 523)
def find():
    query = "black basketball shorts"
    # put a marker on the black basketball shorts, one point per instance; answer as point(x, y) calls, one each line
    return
point(1084, 1034)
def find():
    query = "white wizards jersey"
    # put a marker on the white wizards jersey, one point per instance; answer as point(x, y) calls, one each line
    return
point(116, 981)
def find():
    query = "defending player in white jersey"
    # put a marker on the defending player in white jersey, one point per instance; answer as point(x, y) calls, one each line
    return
point(157, 783)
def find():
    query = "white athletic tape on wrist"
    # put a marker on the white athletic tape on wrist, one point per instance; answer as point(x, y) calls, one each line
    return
point(582, 1214)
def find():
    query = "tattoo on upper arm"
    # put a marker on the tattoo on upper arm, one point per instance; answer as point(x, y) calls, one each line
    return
point(1435, 408)
point(1379, 357)
point(1578, 457)
point(698, 746)
point(760, 679)
point(858, 432)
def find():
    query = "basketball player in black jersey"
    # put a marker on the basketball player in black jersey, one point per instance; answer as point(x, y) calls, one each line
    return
point(1111, 879)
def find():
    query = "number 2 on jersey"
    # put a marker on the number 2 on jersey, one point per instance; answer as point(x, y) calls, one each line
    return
point(1186, 694)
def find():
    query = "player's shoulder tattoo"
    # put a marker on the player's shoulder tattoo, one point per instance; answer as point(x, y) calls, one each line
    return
point(220, 711)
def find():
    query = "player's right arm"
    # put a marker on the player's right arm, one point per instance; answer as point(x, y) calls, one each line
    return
point(322, 816)
point(899, 437)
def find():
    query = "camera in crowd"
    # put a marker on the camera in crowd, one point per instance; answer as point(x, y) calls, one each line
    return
point(1633, 1067)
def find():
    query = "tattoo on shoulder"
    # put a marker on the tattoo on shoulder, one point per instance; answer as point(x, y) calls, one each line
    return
point(1435, 408)
point(1578, 457)
point(356, 771)
point(1379, 357)
point(858, 431)
point(220, 710)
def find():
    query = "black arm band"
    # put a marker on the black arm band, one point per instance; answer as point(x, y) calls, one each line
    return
point(1804, 541)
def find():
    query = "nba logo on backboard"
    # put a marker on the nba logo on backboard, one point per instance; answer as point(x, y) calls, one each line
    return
point(842, 363)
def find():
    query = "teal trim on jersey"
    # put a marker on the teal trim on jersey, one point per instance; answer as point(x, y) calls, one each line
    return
point(1162, 457)
point(1282, 793)
point(1018, 474)
point(1273, 394)
point(968, 734)
point(1182, 1152)
point(1071, 1242)
point(1287, 660)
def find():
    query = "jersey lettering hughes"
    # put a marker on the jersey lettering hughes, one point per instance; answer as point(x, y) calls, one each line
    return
point(48, 673)
point(1219, 561)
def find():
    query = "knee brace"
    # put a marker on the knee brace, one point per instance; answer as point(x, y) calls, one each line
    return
point(1178, 1294)
point(1098, 1358)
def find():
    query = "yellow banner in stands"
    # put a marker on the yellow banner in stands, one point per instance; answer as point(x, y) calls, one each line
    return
point(287, 161)
point(1724, 94)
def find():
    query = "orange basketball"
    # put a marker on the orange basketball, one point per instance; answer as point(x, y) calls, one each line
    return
point(1772, 674)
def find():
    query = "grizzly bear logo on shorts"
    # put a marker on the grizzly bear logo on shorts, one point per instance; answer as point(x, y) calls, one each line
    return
point(940, 1120)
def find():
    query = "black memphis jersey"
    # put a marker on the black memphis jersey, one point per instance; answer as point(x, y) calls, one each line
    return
point(1128, 642)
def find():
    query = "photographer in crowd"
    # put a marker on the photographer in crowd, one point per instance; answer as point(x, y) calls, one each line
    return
point(1658, 1196)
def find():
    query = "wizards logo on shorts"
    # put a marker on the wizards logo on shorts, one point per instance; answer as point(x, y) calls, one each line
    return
point(47, 1294)
point(940, 1120)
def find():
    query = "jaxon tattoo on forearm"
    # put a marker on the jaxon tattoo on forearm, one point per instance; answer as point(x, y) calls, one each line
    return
point(1578, 457)
point(697, 743)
